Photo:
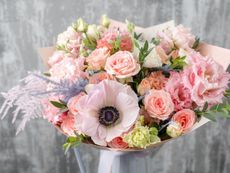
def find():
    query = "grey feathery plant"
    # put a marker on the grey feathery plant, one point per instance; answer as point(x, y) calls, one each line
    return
point(26, 98)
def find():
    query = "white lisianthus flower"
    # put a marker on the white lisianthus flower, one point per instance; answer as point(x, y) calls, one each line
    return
point(93, 32)
point(152, 59)
point(174, 130)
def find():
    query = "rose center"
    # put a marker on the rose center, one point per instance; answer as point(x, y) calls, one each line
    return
point(108, 115)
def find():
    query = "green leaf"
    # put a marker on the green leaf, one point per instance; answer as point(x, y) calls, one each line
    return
point(73, 141)
point(155, 41)
point(178, 63)
point(227, 93)
point(47, 74)
point(205, 107)
point(137, 36)
point(58, 104)
point(196, 43)
point(136, 44)
point(146, 46)
point(219, 110)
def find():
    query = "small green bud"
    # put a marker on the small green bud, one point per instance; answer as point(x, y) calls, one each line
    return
point(130, 26)
point(105, 21)
point(80, 25)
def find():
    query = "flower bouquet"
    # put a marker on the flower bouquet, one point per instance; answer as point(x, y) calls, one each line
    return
point(125, 88)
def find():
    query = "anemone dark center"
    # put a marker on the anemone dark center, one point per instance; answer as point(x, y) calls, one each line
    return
point(108, 115)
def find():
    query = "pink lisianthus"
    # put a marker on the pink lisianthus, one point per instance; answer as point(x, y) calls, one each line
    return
point(109, 109)
point(118, 143)
point(156, 80)
point(71, 40)
point(182, 37)
point(206, 79)
point(98, 77)
point(180, 95)
point(166, 41)
point(111, 36)
point(158, 104)
point(97, 59)
point(122, 65)
point(73, 102)
point(68, 68)
point(186, 118)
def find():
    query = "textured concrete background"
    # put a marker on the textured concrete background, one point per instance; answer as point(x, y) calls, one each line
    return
point(27, 25)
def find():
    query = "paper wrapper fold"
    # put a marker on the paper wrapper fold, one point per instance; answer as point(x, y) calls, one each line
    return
point(221, 55)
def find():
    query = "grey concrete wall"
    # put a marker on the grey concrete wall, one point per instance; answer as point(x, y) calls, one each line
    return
point(26, 25)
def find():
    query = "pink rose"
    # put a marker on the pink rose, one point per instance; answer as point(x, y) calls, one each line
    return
point(180, 95)
point(98, 77)
point(186, 118)
point(96, 60)
point(144, 86)
point(158, 104)
point(122, 64)
point(118, 143)
point(206, 79)
point(182, 37)
point(73, 102)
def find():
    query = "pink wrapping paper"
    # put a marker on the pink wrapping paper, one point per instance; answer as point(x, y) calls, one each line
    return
point(221, 55)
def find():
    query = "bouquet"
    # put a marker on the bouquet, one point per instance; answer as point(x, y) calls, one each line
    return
point(121, 87)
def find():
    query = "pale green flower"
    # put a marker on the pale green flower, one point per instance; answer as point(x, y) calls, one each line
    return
point(142, 136)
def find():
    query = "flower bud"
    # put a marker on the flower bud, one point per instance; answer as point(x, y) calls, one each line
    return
point(174, 130)
point(80, 25)
point(93, 32)
point(105, 21)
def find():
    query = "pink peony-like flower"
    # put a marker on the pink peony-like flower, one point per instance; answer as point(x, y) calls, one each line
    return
point(111, 36)
point(118, 143)
point(56, 57)
point(206, 79)
point(98, 77)
point(109, 109)
point(71, 40)
point(68, 124)
point(156, 80)
point(68, 68)
point(97, 59)
point(186, 118)
point(73, 102)
point(182, 37)
point(122, 65)
point(50, 112)
point(158, 104)
point(180, 95)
